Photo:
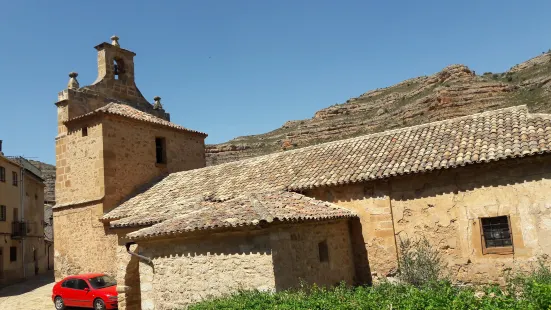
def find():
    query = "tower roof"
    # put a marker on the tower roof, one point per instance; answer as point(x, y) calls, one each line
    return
point(127, 111)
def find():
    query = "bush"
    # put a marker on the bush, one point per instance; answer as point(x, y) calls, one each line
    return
point(523, 292)
point(419, 262)
point(437, 295)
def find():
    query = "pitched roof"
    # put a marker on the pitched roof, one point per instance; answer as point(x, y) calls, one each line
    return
point(121, 109)
point(243, 210)
point(478, 138)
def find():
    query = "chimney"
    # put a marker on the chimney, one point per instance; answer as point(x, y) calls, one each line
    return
point(1, 148)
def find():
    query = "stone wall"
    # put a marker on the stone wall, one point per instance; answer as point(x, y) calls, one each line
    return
point(82, 242)
point(446, 206)
point(295, 254)
point(185, 271)
point(96, 172)
point(130, 158)
point(79, 165)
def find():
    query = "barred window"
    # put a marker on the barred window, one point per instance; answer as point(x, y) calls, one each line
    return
point(496, 234)
point(2, 174)
point(2, 213)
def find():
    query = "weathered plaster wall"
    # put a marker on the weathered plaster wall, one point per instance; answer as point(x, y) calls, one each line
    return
point(31, 255)
point(372, 202)
point(445, 206)
point(185, 271)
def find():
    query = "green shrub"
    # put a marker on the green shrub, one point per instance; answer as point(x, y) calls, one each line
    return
point(419, 262)
point(523, 292)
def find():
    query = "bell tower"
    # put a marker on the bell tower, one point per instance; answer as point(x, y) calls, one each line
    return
point(116, 73)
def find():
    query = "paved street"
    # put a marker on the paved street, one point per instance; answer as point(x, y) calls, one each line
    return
point(33, 294)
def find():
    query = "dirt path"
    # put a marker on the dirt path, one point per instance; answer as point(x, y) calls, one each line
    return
point(33, 294)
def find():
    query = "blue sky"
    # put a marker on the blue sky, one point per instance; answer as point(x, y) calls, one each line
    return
point(233, 68)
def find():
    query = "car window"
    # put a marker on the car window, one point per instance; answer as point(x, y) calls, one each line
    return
point(102, 281)
point(81, 284)
point(71, 283)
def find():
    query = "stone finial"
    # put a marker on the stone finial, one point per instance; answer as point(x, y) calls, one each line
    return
point(115, 41)
point(73, 83)
point(157, 105)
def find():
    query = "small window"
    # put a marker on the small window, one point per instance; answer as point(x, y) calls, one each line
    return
point(496, 235)
point(3, 213)
point(323, 251)
point(160, 150)
point(2, 174)
point(84, 131)
point(13, 254)
point(14, 178)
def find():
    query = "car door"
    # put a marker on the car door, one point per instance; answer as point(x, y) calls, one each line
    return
point(83, 296)
point(68, 292)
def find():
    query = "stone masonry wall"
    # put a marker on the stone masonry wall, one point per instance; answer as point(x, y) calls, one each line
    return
point(446, 207)
point(130, 160)
point(296, 258)
point(82, 243)
point(79, 165)
point(185, 271)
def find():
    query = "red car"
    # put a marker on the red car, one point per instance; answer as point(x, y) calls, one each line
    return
point(91, 290)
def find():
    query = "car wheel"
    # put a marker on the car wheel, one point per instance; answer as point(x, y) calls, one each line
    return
point(58, 303)
point(99, 304)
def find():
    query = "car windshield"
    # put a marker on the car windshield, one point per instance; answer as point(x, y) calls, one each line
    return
point(102, 281)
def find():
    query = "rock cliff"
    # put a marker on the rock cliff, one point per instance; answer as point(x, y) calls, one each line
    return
point(48, 173)
point(454, 91)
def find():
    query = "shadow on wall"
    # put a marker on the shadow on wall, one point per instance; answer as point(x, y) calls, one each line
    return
point(362, 271)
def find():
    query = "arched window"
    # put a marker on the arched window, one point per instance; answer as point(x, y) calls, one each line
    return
point(118, 68)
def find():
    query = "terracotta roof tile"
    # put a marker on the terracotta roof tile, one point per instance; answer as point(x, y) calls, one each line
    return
point(130, 112)
point(243, 210)
point(438, 145)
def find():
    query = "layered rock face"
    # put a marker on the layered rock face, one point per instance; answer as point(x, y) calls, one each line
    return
point(455, 91)
point(48, 173)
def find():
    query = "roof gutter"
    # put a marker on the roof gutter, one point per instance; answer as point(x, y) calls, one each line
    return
point(128, 244)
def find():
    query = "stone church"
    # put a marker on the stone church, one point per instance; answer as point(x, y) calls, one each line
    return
point(134, 199)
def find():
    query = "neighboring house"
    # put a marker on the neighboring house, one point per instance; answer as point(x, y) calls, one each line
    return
point(23, 248)
point(134, 198)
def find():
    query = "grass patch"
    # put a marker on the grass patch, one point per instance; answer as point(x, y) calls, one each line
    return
point(423, 286)
point(532, 295)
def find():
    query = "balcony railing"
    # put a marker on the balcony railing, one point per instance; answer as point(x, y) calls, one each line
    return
point(18, 229)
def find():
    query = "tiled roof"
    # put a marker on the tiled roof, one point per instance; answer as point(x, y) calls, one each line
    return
point(130, 112)
point(243, 210)
point(478, 138)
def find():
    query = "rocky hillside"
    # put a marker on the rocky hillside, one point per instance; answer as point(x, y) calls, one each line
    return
point(48, 173)
point(454, 91)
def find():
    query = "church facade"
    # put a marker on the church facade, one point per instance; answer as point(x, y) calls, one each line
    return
point(134, 199)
